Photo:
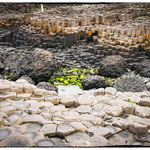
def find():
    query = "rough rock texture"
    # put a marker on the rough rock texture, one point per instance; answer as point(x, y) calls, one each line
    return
point(16, 141)
point(112, 66)
point(48, 86)
point(25, 77)
point(38, 65)
point(130, 85)
point(143, 68)
point(93, 82)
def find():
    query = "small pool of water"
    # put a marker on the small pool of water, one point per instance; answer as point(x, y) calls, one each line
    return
point(64, 90)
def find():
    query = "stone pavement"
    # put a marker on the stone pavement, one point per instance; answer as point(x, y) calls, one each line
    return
point(100, 117)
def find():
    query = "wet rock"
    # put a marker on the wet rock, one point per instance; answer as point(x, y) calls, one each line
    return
point(16, 141)
point(112, 66)
point(64, 130)
point(49, 129)
point(137, 128)
point(38, 65)
point(78, 126)
point(67, 100)
point(48, 86)
point(142, 111)
point(114, 111)
point(100, 131)
point(91, 82)
point(143, 137)
point(130, 85)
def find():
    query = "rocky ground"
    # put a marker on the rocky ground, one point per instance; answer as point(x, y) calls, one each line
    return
point(100, 117)
point(113, 106)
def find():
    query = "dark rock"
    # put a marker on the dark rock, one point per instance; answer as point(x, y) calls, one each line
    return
point(48, 86)
point(1, 66)
point(112, 66)
point(130, 85)
point(25, 77)
point(90, 82)
point(143, 68)
point(16, 141)
point(38, 65)
point(11, 57)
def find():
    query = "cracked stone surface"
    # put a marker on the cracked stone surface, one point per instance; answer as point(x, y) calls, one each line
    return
point(99, 119)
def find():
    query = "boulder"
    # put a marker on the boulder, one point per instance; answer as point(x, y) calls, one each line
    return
point(143, 68)
point(48, 86)
point(11, 57)
point(38, 65)
point(112, 66)
point(25, 77)
point(130, 85)
point(93, 81)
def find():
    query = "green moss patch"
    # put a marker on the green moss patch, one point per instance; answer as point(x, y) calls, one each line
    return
point(73, 76)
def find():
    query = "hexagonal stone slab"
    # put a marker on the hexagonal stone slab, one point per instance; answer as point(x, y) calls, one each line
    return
point(78, 126)
point(100, 131)
point(53, 99)
point(8, 109)
point(136, 127)
point(49, 129)
point(5, 132)
point(83, 109)
point(145, 101)
point(114, 111)
point(142, 111)
point(7, 95)
point(67, 100)
point(45, 143)
point(64, 130)
point(78, 139)
point(34, 119)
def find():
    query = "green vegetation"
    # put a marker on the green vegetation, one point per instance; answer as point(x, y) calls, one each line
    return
point(112, 81)
point(130, 101)
point(10, 75)
point(70, 76)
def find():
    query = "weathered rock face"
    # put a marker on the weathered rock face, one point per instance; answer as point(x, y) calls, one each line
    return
point(48, 86)
point(93, 82)
point(130, 85)
point(25, 77)
point(38, 65)
point(112, 66)
point(11, 57)
point(143, 68)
